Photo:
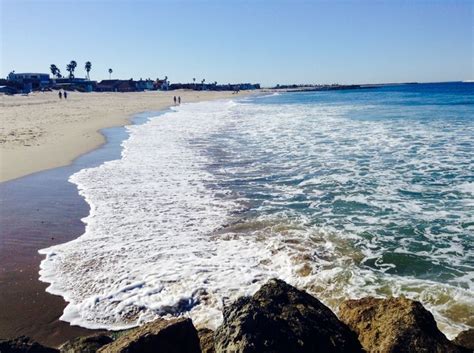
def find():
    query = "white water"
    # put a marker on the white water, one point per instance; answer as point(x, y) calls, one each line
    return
point(148, 248)
point(164, 234)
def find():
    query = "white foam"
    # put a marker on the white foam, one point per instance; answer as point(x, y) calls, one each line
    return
point(166, 235)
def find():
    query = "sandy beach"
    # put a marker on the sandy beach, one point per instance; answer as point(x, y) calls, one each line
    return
point(40, 132)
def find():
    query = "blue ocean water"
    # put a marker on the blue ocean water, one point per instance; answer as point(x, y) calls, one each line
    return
point(343, 193)
point(393, 166)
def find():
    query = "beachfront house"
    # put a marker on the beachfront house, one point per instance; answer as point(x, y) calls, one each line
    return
point(29, 80)
point(74, 84)
point(162, 85)
point(116, 86)
point(144, 85)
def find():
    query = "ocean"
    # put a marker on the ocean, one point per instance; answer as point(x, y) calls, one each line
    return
point(342, 193)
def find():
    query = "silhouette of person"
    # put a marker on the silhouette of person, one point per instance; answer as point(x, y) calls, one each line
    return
point(65, 95)
point(174, 100)
point(179, 100)
point(60, 94)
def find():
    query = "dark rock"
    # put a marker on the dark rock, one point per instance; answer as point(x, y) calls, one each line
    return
point(395, 325)
point(24, 344)
point(465, 339)
point(281, 318)
point(163, 336)
point(206, 337)
point(88, 344)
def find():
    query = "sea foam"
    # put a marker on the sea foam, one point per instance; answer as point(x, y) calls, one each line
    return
point(212, 199)
point(148, 249)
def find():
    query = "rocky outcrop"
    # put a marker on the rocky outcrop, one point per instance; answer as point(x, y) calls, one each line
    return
point(163, 336)
point(466, 339)
point(206, 338)
point(395, 325)
point(281, 318)
point(88, 344)
point(24, 344)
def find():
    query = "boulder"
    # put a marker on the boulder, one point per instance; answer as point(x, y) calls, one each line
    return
point(163, 336)
point(206, 337)
point(88, 344)
point(465, 339)
point(24, 344)
point(281, 318)
point(395, 325)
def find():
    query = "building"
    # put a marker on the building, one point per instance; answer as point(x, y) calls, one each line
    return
point(163, 85)
point(41, 78)
point(116, 86)
point(29, 80)
point(144, 85)
point(75, 84)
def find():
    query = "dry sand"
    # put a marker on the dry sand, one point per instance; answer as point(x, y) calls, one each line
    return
point(40, 132)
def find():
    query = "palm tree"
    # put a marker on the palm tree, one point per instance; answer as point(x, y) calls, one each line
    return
point(54, 69)
point(194, 82)
point(71, 67)
point(88, 68)
point(110, 73)
point(202, 82)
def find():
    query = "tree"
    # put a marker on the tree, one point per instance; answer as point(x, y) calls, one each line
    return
point(110, 73)
point(88, 67)
point(70, 68)
point(202, 82)
point(54, 69)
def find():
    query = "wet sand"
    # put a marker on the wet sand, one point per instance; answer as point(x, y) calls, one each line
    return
point(38, 135)
point(38, 211)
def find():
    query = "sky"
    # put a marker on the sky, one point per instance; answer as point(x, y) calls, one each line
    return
point(268, 42)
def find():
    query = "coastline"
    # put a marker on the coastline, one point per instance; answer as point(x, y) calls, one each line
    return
point(50, 178)
point(42, 209)
point(41, 132)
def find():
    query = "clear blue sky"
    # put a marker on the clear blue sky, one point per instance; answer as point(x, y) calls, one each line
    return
point(243, 41)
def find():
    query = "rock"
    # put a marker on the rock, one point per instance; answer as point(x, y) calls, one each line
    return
point(88, 344)
point(281, 318)
point(24, 344)
point(465, 339)
point(163, 336)
point(206, 337)
point(395, 325)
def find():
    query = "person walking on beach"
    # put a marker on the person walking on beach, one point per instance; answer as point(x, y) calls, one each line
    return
point(179, 100)
point(65, 95)
point(60, 94)
point(174, 100)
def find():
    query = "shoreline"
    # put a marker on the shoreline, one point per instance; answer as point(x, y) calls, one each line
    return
point(45, 209)
point(40, 132)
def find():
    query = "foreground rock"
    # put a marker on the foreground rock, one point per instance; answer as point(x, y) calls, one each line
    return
point(163, 336)
point(206, 338)
point(395, 325)
point(281, 318)
point(465, 339)
point(88, 344)
point(24, 344)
